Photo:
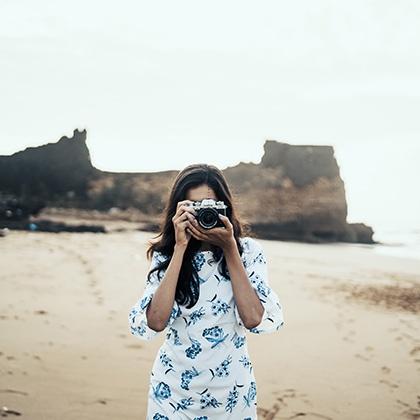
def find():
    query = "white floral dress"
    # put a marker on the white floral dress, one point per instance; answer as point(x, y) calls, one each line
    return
point(203, 371)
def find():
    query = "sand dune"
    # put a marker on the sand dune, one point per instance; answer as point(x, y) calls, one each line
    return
point(350, 348)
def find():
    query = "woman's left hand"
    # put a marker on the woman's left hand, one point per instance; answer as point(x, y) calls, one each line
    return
point(221, 236)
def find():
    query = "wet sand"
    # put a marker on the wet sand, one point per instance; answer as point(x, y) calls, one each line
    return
point(350, 347)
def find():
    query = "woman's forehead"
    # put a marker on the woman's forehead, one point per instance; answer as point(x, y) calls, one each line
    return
point(200, 192)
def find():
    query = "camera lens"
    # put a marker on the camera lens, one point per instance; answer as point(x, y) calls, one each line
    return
point(207, 218)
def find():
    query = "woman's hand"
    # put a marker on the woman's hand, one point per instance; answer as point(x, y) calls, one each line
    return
point(221, 236)
point(181, 222)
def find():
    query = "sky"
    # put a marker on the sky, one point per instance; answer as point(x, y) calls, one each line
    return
point(160, 85)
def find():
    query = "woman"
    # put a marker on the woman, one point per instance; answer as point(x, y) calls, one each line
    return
point(207, 286)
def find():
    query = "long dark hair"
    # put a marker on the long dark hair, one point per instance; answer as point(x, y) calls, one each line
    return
point(188, 287)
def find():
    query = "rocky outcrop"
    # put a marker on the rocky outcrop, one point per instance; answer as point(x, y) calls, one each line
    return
point(294, 193)
point(50, 172)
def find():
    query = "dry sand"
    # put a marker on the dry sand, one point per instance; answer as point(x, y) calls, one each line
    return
point(350, 347)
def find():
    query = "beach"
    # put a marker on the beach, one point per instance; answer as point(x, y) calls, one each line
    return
point(349, 348)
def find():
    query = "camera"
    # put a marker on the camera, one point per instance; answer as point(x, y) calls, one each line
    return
point(207, 212)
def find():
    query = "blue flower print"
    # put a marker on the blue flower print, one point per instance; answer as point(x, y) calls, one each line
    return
point(260, 285)
point(140, 329)
point(238, 340)
point(214, 335)
point(196, 315)
point(207, 400)
point(162, 391)
point(232, 398)
point(260, 258)
point(166, 361)
point(202, 418)
point(263, 289)
point(145, 301)
point(246, 362)
point(252, 393)
point(175, 312)
point(187, 376)
point(173, 332)
point(222, 370)
point(158, 416)
point(198, 261)
point(219, 307)
point(194, 349)
point(183, 404)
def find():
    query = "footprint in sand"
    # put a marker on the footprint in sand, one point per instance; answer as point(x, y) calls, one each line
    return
point(410, 338)
point(360, 356)
point(415, 352)
point(282, 404)
point(367, 354)
point(5, 411)
point(40, 312)
point(13, 391)
point(407, 323)
point(388, 383)
point(385, 369)
point(134, 346)
point(409, 412)
point(270, 414)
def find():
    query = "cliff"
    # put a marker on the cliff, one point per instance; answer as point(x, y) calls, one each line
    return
point(294, 193)
point(49, 172)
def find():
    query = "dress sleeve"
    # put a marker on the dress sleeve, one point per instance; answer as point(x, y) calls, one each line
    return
point(255, 264)
point(137, 316)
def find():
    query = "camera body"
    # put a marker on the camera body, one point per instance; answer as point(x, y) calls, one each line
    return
point(207, 212)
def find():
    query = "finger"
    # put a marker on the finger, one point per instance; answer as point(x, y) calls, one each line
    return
point(198, 226)
point(225, 220)
point(183, 225)
point(194, 221)
point(181, 211)
point(198, 236)
point(185, 208)
point(194, 235)
point(180, 203)
point(196, 232)
point(181, 218)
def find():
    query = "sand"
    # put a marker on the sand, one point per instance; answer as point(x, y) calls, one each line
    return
point(349, 349)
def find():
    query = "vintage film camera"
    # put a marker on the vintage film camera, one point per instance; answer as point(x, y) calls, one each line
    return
point(207, 212)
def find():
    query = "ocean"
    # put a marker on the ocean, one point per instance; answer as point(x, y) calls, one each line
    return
point(401, 242)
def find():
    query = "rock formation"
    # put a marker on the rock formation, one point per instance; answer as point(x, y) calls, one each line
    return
point(294, 193)
point(49, 172)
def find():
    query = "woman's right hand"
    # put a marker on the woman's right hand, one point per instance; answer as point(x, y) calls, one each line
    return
point(182, 220)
